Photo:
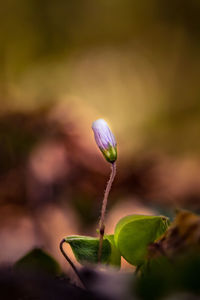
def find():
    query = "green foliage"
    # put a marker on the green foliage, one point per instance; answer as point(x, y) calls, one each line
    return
point(115, 257)
point(132, 236)
point(161, 276)
point(174, 260)
point(86, 248)
point(37, 260)
point(134, 233)
point(172, 266)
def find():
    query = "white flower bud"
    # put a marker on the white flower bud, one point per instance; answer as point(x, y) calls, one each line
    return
point(105, 140)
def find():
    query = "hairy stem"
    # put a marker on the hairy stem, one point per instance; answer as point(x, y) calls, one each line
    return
point(71, 263)
point(103, 209)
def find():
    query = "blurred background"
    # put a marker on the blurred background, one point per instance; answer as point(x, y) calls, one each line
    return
point(64, 64)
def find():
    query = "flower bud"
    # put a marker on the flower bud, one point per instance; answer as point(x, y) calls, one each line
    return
point(105, 140)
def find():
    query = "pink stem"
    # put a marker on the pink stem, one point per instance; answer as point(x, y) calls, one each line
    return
point(103, 209)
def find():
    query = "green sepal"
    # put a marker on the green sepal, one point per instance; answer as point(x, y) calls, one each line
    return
point(110, 154)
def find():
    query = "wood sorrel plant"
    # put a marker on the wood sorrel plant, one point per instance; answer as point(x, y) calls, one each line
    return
point(133, 234)
point(108, 146)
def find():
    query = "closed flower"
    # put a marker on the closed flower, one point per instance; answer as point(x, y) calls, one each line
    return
point(105, 140)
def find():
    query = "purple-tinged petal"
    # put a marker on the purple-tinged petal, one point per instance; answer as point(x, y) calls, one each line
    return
point(105, 139)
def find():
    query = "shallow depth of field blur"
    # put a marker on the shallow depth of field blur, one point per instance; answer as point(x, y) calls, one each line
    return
point(64, 64)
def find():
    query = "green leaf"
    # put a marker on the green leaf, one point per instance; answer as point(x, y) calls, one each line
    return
point(134, 233)
point(115, 256)
point(160, 276)
point(37, 260)
point(86, 248)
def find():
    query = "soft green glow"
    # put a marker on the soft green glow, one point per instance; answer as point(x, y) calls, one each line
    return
point(110, 154)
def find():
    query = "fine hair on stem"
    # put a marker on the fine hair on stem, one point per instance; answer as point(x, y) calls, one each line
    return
point(103, 209)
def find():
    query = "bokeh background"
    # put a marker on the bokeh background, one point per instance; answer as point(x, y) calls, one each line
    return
point(64, 64)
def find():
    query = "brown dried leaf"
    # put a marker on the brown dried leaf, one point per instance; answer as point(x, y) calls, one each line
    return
point(182, 235)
